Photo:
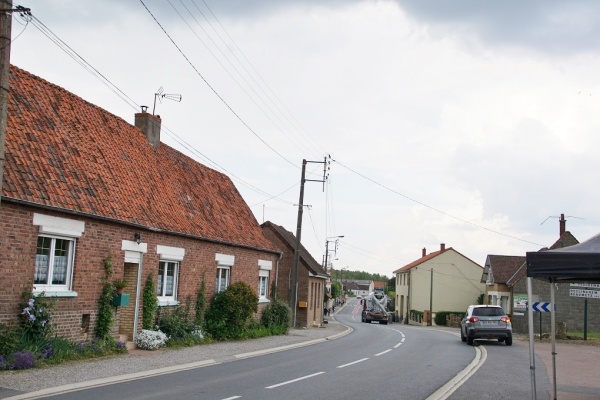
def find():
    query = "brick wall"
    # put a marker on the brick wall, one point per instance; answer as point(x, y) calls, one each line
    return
point(18, 239)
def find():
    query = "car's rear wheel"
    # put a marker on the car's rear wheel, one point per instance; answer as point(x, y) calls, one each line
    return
point(462, 337)
point(508, 341)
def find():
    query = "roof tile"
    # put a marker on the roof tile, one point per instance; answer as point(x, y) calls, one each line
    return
point(65, 153)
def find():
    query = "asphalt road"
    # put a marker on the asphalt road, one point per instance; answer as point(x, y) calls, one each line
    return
point(375, 361)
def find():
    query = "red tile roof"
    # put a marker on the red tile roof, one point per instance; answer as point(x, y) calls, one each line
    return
point(289, 240)
point(503, 267)
point(67, 154)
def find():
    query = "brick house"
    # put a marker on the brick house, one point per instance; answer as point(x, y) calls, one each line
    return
point(312, 278)
point(455, 279)
point(496, 273)
point(569, 310)
point(81, 185)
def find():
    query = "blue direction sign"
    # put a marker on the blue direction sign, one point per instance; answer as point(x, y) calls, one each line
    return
point(541, 307)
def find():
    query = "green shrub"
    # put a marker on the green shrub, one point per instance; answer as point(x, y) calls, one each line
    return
point(200, 304)
point(440, 316)
point(231, 311)
point(176, 324)
point(150, 303)
point(36, 316)
point(276, 314)
point(106, 313)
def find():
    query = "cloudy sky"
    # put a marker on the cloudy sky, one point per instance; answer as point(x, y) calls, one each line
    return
point(469, 123)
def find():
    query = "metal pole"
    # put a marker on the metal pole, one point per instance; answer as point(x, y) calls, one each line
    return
point(326, 254)
point(430, 322)
point(531, 347)
point(553, 335)
point(585, 319)
point(297, 248)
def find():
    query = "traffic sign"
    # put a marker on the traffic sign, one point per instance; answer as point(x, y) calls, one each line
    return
point(541, 307)
point(590, 294)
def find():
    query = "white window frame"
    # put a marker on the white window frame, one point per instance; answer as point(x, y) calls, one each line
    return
point(164, 299)
point(264, 273)
point(223, 273)
point(169, 255)
point(224, 264)
point(52, 265)
point(57, 228)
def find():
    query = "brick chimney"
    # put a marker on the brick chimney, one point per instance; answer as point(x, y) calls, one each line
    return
point(150, 125)
point(424, 252)
point(442, 246)
point(562, 222)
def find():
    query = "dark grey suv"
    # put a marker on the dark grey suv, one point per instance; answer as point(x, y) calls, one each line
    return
point(486, 322)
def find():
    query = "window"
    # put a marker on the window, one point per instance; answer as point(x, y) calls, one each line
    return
point(167, 280)
point(222, 278)
point(53, 263)
point(263, 284)
point(264, 270)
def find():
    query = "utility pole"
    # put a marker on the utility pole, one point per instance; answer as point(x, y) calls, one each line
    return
point(303, 179)
point(430, 322)
point(5, 39)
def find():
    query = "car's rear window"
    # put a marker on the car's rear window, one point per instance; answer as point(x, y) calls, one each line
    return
point(488, 312)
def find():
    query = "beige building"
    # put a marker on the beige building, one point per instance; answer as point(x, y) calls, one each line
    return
point(443, 280)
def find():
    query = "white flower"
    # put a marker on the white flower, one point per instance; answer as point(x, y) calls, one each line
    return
point(150, 340)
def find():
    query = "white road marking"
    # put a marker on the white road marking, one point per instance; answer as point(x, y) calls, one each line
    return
point(383, 352)
point(445, 391)
point(233, 397)
point(294, 380)
point(353, 362)
point(398, 345)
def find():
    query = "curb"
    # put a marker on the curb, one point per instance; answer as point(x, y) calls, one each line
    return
point(164, 371)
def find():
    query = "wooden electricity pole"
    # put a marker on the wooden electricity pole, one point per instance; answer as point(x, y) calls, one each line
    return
point(5, 39)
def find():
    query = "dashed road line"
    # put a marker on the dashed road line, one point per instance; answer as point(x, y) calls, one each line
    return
point(293, 380)
point(352, 363)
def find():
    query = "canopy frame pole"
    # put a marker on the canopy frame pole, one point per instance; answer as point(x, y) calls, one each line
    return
point(531, 346)
point(553, 335)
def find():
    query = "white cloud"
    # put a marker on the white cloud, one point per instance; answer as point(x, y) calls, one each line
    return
point(469, 131)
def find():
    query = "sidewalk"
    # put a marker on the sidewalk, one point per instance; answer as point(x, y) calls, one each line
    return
point(24, 384)
point(577, 366)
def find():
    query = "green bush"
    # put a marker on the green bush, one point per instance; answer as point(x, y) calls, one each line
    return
point(149, 303)
point(276, 314)
point(440, 316)
point(200, 304)
point(231, 311)
point(176, 324)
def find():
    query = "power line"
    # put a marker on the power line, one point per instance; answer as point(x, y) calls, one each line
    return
point(433, 208)
point(214, 90)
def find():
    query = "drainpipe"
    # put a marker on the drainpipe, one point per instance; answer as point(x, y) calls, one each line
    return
point(276, 294)
point(137, 298)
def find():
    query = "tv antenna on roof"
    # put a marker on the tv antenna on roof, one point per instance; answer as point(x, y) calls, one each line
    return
point(160, 95)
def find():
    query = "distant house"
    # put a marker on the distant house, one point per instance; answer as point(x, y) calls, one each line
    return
point(81, 186)
point(443, 280)
point(496, 273)
point(312, 278)
point(570, 310)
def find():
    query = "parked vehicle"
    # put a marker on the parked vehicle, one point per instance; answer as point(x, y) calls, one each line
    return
point(485, 322)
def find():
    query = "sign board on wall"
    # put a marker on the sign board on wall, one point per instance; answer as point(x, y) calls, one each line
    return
point(520, 301)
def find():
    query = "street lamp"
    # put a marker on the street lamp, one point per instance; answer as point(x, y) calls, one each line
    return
point(327, 240)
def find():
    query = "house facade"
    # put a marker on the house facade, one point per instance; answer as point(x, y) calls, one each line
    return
point(496, 273)
point(82, 187)
point(574, 312)
point(443, 280)
point(312, 278)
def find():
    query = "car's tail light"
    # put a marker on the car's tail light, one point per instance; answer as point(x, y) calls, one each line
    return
point(473, 319)
point(505, 319)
